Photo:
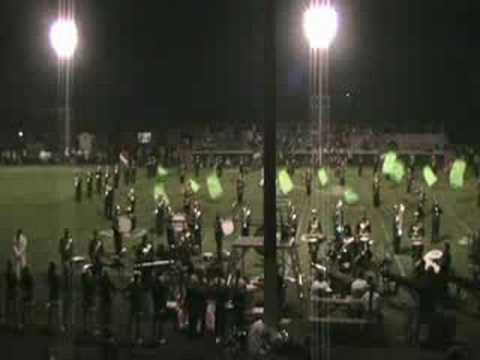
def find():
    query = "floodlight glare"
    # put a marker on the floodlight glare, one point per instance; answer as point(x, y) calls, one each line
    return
point(320, 25)
point(64, 38)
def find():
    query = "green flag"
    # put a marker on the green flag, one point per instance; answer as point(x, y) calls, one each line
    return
point(389, 163)
point(195, 186)
point(285, 182)
point(322, 177)
point(429, 176)
point(162, 174)
point(214, 186)
point(351, 197)
point(159, 190)
point(457, 174)
point(398, 171)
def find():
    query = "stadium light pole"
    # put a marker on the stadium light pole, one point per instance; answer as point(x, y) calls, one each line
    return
point(320, 26)
point(271, 307)
point(64, 40)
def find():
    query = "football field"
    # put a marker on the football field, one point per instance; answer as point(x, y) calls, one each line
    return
point(40, 200)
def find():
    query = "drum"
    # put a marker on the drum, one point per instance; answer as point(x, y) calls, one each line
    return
point(417, 248)
point(228, 227)
point(432, 259)
point(78, 260)
point(124, 224)
point(179, 222)
point(364, 238)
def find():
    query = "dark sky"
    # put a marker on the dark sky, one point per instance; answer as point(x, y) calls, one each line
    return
point(407, 63)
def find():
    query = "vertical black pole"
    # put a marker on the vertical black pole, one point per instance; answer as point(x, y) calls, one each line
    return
point(269, 188)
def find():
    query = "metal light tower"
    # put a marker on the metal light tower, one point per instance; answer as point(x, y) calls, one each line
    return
point(269, 187)
point(64, 40)
point(320, 26)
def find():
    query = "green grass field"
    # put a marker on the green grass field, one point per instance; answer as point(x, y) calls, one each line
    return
point(40, 201)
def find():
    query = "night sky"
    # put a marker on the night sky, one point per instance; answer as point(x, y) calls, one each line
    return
point(409, 64)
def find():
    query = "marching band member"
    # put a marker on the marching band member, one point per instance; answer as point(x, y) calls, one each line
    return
point(308, 182)
point(66, 249)
point(132, 199)
point(314, 225)
point(436, 215)
point(376, 190)
point(134, 292)
point(339, 220)
point(187, 198)
point(160, 215)
point(292, 221)
point(116, 177)
point(421, 199)
point(106, 176)
point(19, 252)
point(108, 202)
point(77, 183)
point(89, 183)
point(131, 215)
point(197, 225)
point(181, 173)
point(398, 228)
point(246, 219)
point(106, 291)
point(145, 251)
point(219, 237)
point(96, 252)
point(196, 166)
point(240, 189)
point(364, 227)
point(416, 234)
point(98, 180)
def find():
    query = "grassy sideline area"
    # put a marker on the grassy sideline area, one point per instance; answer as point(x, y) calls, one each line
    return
point(40, 201)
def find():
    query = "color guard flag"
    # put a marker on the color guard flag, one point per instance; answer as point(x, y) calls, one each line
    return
point(285, 182)
point(389, 163)
point(351, 197)
point(322, 177)
point(162, 173)
point(398, 171)
point(214, 186)
point(429, 176)
point(123, 158)
point(194, 185)
point(159, 190)
point(457, 174)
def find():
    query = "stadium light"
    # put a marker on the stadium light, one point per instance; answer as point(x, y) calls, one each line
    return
point(64, 38)
point(320, 24)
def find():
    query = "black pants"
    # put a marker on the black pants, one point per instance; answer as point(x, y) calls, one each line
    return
point(220, 320)
point(159, 319)
point(396, 244)
point(134, 324)
point(435, 231)
point(193, 318)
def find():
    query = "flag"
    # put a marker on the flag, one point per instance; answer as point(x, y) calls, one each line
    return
point(457, 174)
point(322, 177)
point(429, 176)
point(285, 182)
point(214, 186)
point(351, 197)
point(389, 163)
point(162, 174)
point(159, 190)
point(397, 171)
point(195, 186)
point(123, 159)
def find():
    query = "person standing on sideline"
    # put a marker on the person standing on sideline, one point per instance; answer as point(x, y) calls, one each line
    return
point(436, 215)
point(19, 252)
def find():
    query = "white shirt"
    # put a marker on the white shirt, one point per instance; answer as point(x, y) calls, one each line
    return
point(20, 249)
